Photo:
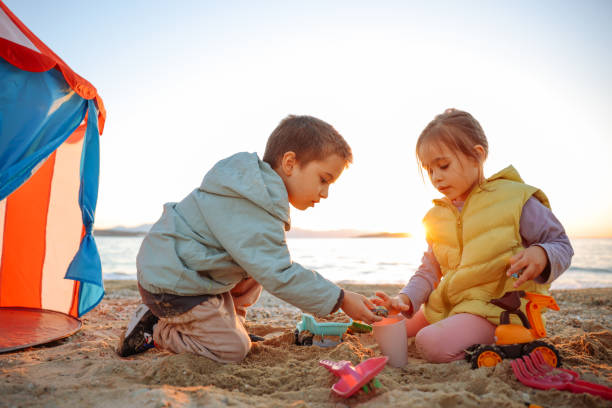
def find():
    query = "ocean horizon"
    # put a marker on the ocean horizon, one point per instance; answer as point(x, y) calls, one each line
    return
point(373, 260)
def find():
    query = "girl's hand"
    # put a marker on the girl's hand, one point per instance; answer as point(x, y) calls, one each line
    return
point(400, 303)
point(358, 307)
point(531, 261)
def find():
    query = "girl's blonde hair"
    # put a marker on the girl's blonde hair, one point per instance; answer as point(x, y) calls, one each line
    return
point(456, 129)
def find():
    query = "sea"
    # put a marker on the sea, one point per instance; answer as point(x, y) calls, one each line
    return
point(373, 260)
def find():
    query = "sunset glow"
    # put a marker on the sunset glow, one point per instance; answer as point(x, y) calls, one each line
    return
point(194, 82)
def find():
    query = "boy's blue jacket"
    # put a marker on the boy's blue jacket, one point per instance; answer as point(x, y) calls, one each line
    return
point(231, 227)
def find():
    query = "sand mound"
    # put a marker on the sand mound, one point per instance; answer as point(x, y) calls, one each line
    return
point(84, 370)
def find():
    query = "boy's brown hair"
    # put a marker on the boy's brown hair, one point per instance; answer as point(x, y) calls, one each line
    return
point(309, 138)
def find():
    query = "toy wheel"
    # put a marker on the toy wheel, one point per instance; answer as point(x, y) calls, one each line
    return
point(486, 356)
point(303, 339)
point(548, 351)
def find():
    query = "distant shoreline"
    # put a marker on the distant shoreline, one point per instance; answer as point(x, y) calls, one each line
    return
point(386, 235)
point(119, 233)
point(142, 230)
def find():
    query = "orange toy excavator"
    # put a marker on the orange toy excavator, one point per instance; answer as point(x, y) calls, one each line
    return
point(513, 340)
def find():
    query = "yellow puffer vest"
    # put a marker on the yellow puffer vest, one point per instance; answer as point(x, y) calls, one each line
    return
point(474, 246)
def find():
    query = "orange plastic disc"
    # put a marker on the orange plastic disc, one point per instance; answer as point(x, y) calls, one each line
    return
point(549, 356)
point(488, 359)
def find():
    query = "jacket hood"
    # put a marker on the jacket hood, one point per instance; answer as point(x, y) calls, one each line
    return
point(509, 173)
point(244, 175)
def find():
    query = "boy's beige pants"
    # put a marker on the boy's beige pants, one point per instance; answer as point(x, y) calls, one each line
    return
point(214, 328)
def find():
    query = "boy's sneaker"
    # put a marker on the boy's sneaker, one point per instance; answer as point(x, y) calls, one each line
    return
point(255, 338)
point(138, 336)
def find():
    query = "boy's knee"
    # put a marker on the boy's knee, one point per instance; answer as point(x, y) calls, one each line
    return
point(432, 346)
point(227, 347)
point(235, 349)
point(240, 353)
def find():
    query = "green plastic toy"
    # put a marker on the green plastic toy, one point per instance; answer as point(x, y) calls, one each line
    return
point(360, 327)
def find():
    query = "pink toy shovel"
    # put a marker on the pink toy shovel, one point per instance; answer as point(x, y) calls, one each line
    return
point(534, 372)
point(354, 378)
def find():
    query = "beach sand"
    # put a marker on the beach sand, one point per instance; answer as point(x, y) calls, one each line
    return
point(84, 371)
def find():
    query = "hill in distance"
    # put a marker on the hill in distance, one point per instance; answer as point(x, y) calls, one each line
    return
point(141, 230)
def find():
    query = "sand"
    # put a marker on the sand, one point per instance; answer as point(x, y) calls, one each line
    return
point(84, 371)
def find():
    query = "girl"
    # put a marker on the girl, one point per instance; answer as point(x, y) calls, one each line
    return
point(479, 228)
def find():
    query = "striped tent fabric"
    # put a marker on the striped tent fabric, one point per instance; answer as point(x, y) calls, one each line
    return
point(50, 123)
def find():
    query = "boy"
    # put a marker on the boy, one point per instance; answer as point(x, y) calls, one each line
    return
point(206, 259)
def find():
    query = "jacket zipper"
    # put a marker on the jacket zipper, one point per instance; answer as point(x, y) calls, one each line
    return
point(459, 227)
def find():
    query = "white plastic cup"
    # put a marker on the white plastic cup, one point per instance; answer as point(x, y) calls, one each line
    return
point(390, 334)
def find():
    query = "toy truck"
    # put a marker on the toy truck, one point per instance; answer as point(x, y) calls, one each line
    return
point(512, 340)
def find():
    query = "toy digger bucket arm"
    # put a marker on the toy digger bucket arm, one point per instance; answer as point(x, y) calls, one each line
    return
point(534, 311)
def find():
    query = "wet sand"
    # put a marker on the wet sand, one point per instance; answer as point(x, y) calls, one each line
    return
point(84, 371)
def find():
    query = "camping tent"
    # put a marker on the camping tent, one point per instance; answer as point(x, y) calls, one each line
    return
point(50, 123)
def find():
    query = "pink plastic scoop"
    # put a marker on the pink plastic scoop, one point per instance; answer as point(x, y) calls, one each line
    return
point(353, 378)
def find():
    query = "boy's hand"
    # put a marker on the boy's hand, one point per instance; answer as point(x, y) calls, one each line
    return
point(532, 261)
point(400, 303)
point(358, 307)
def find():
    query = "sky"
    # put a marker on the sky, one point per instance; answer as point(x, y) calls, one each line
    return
point(187, 83)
